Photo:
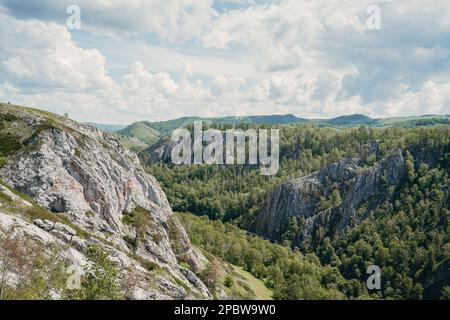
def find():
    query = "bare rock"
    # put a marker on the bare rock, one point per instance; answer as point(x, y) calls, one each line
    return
point(85, 175)
point(357, 184)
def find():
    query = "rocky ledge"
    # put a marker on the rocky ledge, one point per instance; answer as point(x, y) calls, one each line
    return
point(84, 175)
point(328, 201)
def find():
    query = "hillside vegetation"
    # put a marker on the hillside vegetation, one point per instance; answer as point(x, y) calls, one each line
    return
point(406, 235)
point(149, 132)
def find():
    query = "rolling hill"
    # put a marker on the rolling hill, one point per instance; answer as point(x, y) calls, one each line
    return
point(148, 132)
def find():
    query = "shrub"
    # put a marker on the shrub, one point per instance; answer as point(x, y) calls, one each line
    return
point(100, 279)
point(141, 219)
point(228, 282)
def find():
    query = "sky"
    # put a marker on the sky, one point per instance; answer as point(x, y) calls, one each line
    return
point(133, 60)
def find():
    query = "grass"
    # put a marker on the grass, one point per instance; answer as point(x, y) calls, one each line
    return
point(132, 144)
point(146, 264)
point(135, 217)
point(245, 285)
point(37, 212)
point(256, 285)
point(89, 214)
point(2, 161)
point(5, 198)
point(141, 132)
point(9, 144)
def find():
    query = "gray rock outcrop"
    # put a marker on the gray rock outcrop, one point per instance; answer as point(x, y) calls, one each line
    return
point(84, 175)
point(361, 189)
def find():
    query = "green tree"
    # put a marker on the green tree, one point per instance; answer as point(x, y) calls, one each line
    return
point(100, 279)
point(446, 293)
point(409, 167)
point(228, 282)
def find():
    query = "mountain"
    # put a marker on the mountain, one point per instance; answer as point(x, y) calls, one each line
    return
point(166, 127)
point(350, 196)
point(338, 196)
point(149, 132)
point(140, 131)
point(351, 120)
point(106, 127)
point(265, 119)
point(74, 187)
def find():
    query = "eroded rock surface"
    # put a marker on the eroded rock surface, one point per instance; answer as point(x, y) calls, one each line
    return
point(357, 185)
point(84, 174)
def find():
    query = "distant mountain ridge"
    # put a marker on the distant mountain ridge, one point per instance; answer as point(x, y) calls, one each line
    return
point(106, 127)
point(150, 132)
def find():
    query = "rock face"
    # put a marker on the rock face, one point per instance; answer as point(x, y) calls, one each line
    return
point(85, 175)
point(159, 152)
point(360, 188)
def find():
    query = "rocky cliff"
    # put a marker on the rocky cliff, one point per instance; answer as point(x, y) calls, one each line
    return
point(328, 201)
point(159, 152)
point(84, 175)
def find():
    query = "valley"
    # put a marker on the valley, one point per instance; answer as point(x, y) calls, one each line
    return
point(347, 195)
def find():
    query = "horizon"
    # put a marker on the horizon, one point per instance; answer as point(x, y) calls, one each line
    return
point(269, 115)
point(113, 62)
point(125, 124)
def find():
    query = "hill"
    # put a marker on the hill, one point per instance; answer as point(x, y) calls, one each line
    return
point(106, 127)
point(352, 196)
point(351, 120)
point(75, 187)
point(149, 132)
point(141, 131)
point(72, 195)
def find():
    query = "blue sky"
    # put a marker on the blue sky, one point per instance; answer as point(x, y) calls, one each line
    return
point(156, 60)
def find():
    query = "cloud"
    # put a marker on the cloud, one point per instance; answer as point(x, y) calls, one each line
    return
point(216, 39)
point(172, 20)
point(175, 58)
point(37, 54)
point(226, 85)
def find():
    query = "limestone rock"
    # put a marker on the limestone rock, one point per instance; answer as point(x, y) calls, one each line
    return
point(83, 174)
point(357, 184)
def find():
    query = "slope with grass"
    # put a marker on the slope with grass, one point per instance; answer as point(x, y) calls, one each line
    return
point(140, 131)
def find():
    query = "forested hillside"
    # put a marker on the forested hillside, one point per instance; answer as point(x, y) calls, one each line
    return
point(148, 132)
point(233, 192)
point(289, 274)
point(408, 235)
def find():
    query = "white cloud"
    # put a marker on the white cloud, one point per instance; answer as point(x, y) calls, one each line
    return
point(310, 58)
point(172, 20)
point(226, 85)
point(216, 39)
point(35, 53)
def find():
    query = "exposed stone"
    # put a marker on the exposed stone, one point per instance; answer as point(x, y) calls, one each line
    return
point(85, 175)
point(14, 197)
point(159, 152)
point(65, 229)
point(46, 225)
point(301, 197)
point(196, 282)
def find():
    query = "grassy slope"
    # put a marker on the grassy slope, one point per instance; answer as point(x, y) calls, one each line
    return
point(255, 285)
point(245, 286)
point(141, 132)
point(133, 144)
